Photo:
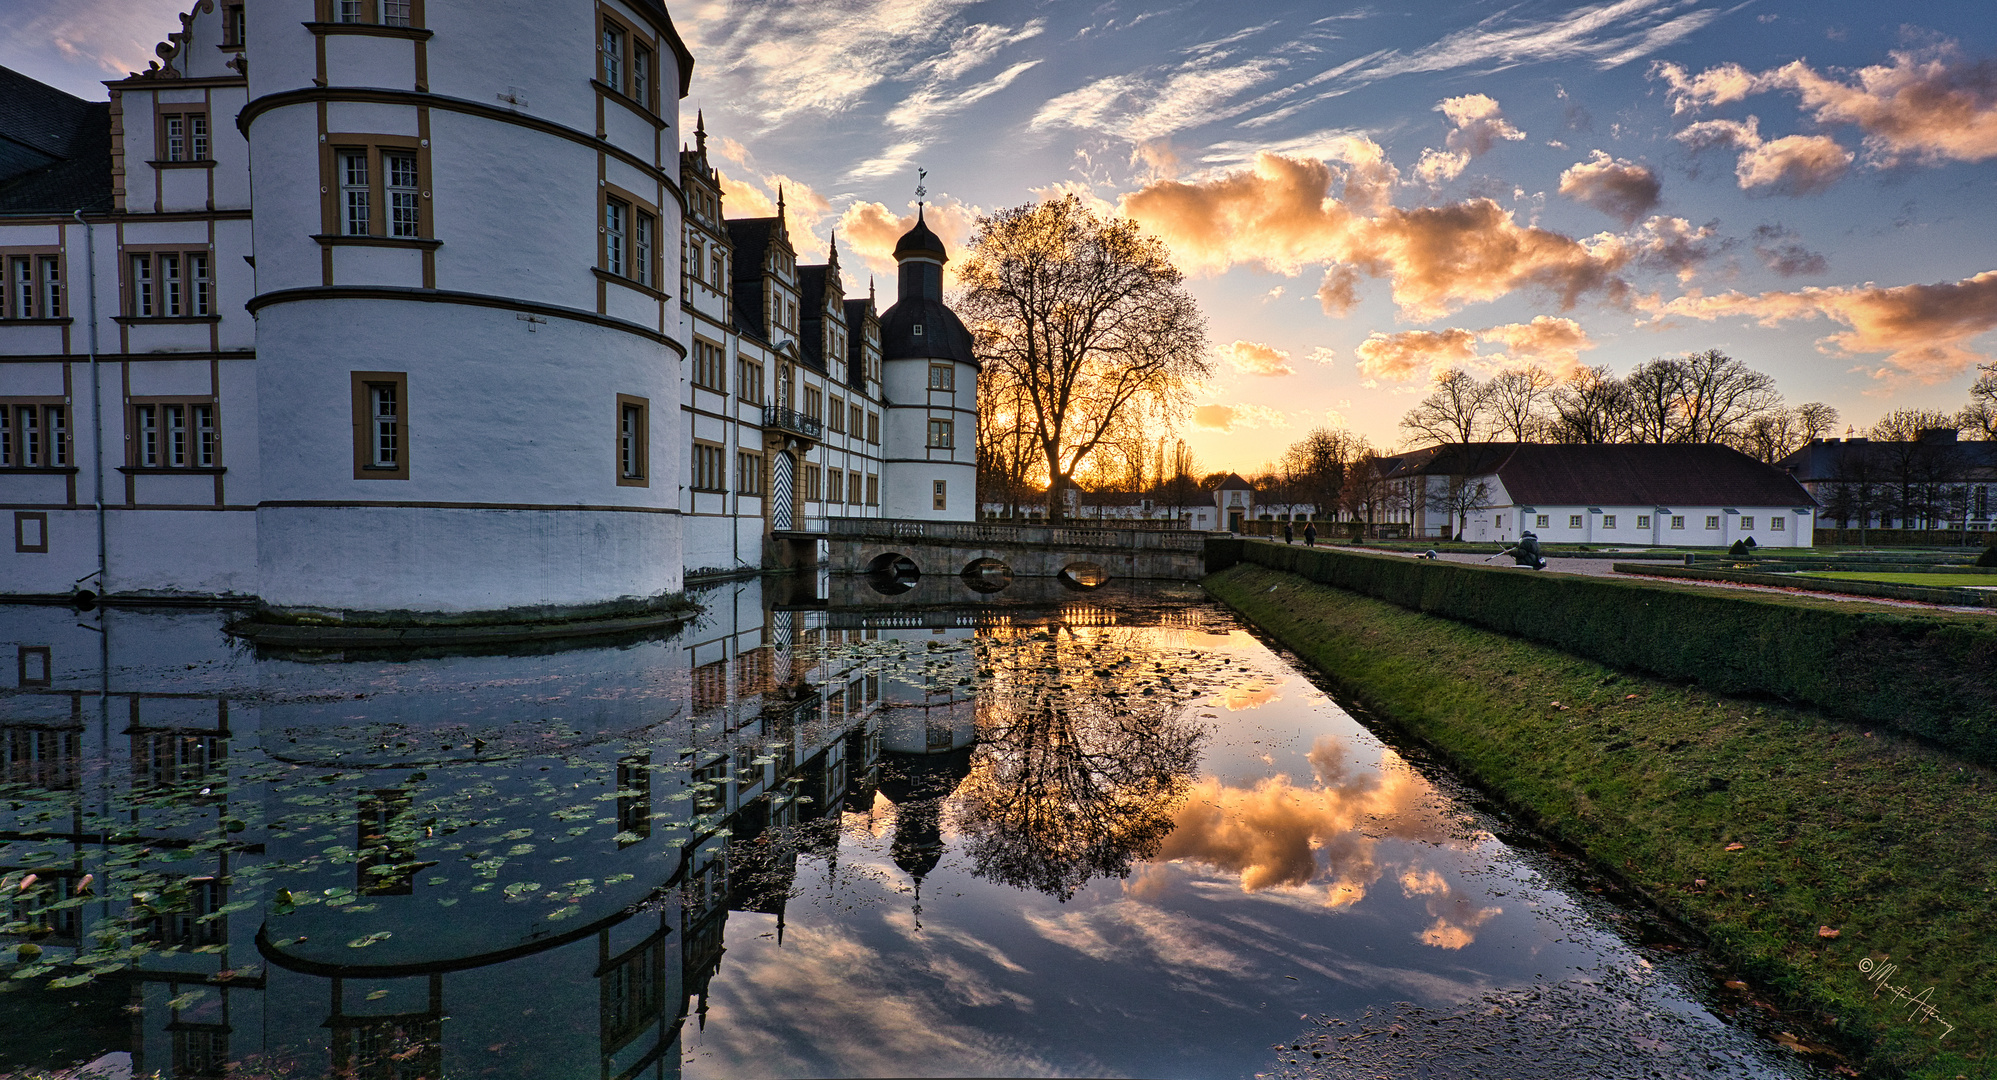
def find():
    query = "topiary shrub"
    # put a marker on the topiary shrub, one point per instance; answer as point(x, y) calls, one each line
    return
point(1989, 556)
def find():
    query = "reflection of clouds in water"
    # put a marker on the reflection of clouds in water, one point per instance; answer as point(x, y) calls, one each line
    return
point(1251, 696)
point(1278, 834)
point(1128, 933)
point(830, 1002)
point(1456, 915)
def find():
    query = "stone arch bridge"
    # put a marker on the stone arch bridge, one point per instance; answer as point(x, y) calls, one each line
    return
point(994, 553)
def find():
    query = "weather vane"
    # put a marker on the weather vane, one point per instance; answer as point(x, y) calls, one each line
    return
point(920, 191)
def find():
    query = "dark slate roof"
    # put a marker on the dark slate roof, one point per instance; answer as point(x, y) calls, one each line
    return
point(750, 239)
point(944, 336)
point(811, 317)
point(1234, 482)
point(856, 342)
point(55, 149)
point(920, 241)
point(1581, 474)
point(1826, 460)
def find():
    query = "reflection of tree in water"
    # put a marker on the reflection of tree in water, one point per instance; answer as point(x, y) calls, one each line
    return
point(1082, 758)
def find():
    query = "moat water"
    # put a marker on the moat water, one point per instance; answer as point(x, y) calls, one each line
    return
point(1111, 833)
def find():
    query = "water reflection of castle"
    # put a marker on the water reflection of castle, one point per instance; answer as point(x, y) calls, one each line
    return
point(644, 791)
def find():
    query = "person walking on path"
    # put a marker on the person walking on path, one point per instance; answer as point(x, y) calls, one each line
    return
point(1310, 534)
point(1289, 534)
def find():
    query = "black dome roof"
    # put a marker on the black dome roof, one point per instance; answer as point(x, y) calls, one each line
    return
point(943, 337)
point(919, 241)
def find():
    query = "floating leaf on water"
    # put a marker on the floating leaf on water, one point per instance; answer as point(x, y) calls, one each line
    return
point(68, 981)
point(370, 939)
point(377, 995)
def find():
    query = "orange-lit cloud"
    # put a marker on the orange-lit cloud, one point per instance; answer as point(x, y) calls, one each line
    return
point(1547, 341)
point(1792, 165)
point(1278, 834)
point(804, 207)
point(1280, 214)
point(1621, 189)
point(1476, 124)
point(1255, 358)
point(1456, 915)
point(869, 230)
point(1924, 330)
point(1677, 245)
point(1415, 354)
point(1238, 698)
point(1230, 417)
point(1929, 105)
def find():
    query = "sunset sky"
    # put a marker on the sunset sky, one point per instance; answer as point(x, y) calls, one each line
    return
point(1365, 194)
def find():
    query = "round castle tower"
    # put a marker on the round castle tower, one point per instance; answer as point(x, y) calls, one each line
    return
point(467, 354)
point(930, 379)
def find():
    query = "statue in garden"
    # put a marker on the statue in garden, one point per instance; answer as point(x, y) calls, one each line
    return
point(1525, 552)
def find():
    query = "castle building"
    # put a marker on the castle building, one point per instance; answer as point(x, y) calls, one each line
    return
point(437, 352)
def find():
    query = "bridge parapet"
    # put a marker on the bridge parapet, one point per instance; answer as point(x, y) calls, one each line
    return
point(1053, 536)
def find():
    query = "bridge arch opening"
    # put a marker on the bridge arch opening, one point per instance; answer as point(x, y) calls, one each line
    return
point(891, 572)
point(987, 575)
point(1083, 575)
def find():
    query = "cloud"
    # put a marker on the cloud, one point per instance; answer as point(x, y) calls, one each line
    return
point(114, 37)
point(1141, 106)
point(1928, 106)
point(870, 231)
point(1255, 358)
point(1676, 245)
point(793, 58)
point(1784, 255)
point(1547, 341)
point(898, 157)
point(1792, 165)
point(1456, 914)
point(1230, 417)
point(1415, 354)
point(1239, 698)
point(1924, 330)
point(929, 104)
point(1476, 124)
point(1279, 214)
point(1621, 189)
point(1606, 34)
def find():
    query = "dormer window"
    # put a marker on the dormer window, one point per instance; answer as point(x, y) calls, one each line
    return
point(918, 329)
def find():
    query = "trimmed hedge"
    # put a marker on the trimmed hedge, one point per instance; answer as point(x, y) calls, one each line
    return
point(1926, 594)
point(1930, 674)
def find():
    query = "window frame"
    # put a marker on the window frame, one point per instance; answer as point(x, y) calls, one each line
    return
point(364, 429)
point(835, 484)
point(1678, 521)
point(191, 115)
point(748, 473)
point(835, 414)
point(235, 25)
point(873, 427)
point(710, 366)
point(135, 434)
point(195, 294)
point(1643, 521)
point(748, 377)
point(39, 307)
point(334, 148)
point(1608, 521)
point(942, 434)
point(1746, 523)
point(1540, 521)
point(943, 378)
point(853, 488)
point(1712, 522)
point(812, 481)
point(370, 14)
point(1576, 521)
point(641, 435)
point(873, 489)
point(54, 435)
point(636, 207)
point(940, 494)
point(706, 453)
point(633, 40)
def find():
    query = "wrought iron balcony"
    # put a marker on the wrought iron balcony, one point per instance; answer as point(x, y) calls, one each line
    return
point(776, 416)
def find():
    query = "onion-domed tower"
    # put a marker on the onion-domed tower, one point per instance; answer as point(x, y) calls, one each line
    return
point(468, 352)
point(930, 379)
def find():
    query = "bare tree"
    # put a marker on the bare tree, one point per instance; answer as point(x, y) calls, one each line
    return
point(1518, 400)
point(1772, 436)
point(1459, 497)
point(1317, 465)
point(1592, 407)
point(1455, 412)
point(1722, 397)
point(1179, 487)
point(1007, 456)
point(1814, 420)
point(1979, 419)
point(1364, 495)
point(1088, 317)
point(1656, 389)
point(1919, 464)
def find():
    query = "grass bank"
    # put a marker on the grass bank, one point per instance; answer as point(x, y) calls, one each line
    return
point(1887, 841)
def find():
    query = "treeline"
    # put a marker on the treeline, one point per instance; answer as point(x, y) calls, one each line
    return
point(1706, 397)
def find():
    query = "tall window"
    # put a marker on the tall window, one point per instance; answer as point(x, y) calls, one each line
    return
point(942, 434)
point(34, 436)
point(31, 286)
point(641, 75)
point(709, 366)
point(814, 403)
point(941, 495)
point(633, 441)
point(709, 469)
point(395, 12)
point(858, 420)
point(174, 435)
point(814, 479)
point(233, 25)
point(749, 381)
point(169, 285)
point(381, 425)
point(874, 427)
point(853, 487)
point(643, 225)
point(351, 11)
point(942, 377)
point(873, 490)
point(405, 195)
point(356, 202)
point(614, 38)
point(616, 226)
point(184, 136)
point(748, 473)
point(836, 417)
point(835, 485)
